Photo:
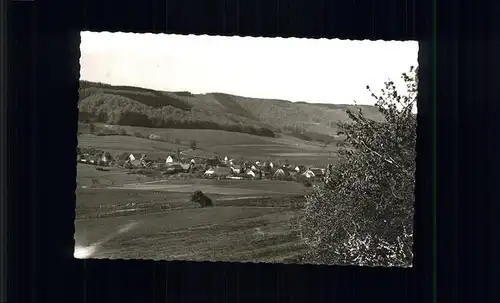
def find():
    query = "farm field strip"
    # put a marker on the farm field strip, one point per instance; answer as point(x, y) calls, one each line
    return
point(207, 189)
point(89, 214)
point(213, 242)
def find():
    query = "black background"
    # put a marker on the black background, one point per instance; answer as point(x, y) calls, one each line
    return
point(457, 85)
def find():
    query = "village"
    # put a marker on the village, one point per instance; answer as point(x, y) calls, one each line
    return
point(179, 165)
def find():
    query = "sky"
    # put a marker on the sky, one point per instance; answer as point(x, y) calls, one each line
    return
point(294, 69)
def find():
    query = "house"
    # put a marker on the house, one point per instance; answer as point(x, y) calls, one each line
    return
point(250, 173)
point(271, 165)
point(318, 172)
point(193, 162)
point(236, 169)
point(313, 172)
point(185, 167)
point(279, 173)
point(300, 168)
point(218, 172)
point(209, 172)
point(308, 174)
point(173, 168)
point(103, 161)
point(225, 159)
point(154, 137)
point(169, 160)
point(254, 168)
point(131, 157)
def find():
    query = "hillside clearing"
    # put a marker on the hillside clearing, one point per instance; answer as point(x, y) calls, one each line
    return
point(129, 144)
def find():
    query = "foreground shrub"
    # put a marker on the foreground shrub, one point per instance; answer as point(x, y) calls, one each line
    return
point(362, 212)
point(200, 198)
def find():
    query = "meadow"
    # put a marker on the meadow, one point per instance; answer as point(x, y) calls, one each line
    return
point(210, 143)
point(124, 215)
point(250, 221)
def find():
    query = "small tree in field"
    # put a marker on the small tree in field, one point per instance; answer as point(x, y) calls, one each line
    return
point(362, 212)
point(200, 198)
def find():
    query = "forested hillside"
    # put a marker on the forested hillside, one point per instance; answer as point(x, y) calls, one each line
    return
point(122, 105)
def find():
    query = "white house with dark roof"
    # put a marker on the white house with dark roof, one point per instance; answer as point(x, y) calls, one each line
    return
point(318, 172)
point(236, 169)
point(251, 173)
point(313, 172)
point(308, 174)
point(209, 172)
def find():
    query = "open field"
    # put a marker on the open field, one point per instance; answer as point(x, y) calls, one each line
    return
point(214, 142)
point(114, 176)
point(129, 144)
point(251, 221)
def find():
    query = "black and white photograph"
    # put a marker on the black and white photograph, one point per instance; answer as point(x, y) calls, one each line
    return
point(246, 149)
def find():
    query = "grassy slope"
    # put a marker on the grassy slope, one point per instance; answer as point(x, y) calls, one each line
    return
point(276, 114)
point(129, 144)
point(211, 143)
